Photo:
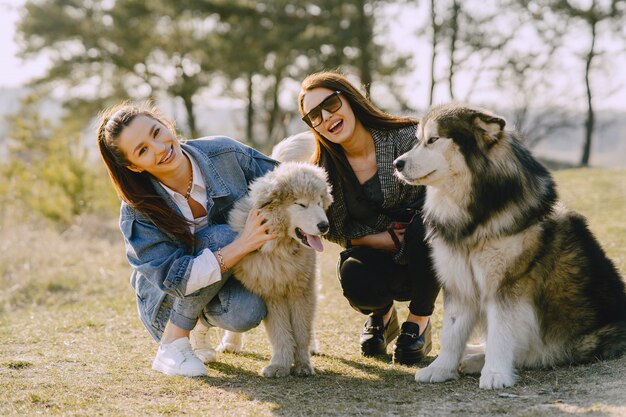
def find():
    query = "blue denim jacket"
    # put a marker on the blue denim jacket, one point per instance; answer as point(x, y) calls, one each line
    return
point(161, 264)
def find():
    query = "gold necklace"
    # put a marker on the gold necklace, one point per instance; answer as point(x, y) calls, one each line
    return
point(188, 193)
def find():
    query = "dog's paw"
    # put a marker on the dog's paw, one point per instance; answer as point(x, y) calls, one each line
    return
point(302, 369)
point(229, 347)
point(435, 374)
point(275, 371)
point(496, 380)
point(472, 364)
point(231, 342)
point(314, 348)
point(206, 355)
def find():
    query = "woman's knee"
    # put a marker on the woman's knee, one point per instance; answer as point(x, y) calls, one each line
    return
point(355, 284)
point(237, 309)
point(359, 269)
point(248, 315)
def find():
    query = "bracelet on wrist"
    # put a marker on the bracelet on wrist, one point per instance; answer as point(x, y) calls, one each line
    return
point(220, 260)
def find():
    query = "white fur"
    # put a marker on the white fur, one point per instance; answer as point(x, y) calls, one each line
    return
point(296, 148)
point(283, 271)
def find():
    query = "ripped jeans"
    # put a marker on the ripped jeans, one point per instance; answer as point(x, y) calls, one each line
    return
point(233, 308)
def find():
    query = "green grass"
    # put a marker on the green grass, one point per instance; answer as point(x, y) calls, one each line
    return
point(71, 342)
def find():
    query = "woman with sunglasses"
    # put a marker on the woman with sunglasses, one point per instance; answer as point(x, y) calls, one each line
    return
point(374, 215)
point(175, 201)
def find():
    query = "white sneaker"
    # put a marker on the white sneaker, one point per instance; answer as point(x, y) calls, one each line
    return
point(177, 358)
point(200, 338)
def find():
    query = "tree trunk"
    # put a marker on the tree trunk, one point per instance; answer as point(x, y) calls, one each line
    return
point(454, 34)
point(365, 39)
point(250, 113)
point(433, 57)
point(275, 107)
point(589, 123)
point(191, 120)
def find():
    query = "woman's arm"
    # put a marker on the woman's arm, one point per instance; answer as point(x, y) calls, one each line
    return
point(158, 257)
point(254, 234)
point(168, 266)
point(255, 164)
point(382, 240)
point(212, 262)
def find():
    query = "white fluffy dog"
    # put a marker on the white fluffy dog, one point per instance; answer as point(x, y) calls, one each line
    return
point(293, 198)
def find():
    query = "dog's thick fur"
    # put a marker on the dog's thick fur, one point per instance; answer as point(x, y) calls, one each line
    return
point(509, 256)
point(293, 198)
point(296, 148)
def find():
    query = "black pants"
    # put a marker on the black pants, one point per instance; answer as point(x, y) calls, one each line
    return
point(371, 280)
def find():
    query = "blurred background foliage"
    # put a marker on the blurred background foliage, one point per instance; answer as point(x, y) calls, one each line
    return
point(102, 52)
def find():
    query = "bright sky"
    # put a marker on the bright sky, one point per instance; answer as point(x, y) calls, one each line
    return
point(13, 71)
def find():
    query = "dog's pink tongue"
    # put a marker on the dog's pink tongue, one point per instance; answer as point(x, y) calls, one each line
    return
point(315, 242)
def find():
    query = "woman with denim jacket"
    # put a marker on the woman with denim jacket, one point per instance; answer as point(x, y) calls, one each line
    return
point(175, 200)
point(374, 215)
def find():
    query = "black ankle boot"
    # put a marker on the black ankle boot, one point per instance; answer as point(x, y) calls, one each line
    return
point(376, 336)
point(411, 347)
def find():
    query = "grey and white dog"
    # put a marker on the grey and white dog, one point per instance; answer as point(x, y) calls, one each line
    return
point(512, 260)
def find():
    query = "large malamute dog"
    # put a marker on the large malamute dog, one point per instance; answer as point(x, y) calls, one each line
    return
point(508, 255)
point(293, 198)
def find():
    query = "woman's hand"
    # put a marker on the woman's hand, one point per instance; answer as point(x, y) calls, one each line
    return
point(255, 232)
point(382, 240)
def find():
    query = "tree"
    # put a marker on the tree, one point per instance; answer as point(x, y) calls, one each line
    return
point(265, 42)
point(435, 27)
point(599, 18)
point(97, 57)
point(104, 51)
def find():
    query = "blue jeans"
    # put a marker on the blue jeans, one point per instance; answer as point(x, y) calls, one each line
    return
point(226, 305)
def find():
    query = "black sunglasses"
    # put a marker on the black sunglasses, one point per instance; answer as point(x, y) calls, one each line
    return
point(331, 104)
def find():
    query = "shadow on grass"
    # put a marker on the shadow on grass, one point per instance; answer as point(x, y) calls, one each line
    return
point(341, 386)
point(344, 386)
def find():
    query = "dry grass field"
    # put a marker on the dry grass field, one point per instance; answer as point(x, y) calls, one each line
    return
point(71, 342)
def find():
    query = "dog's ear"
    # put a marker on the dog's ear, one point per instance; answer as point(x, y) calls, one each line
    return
point(266, 198)
point(488, 127)
point(263, 191)
point(268, 192)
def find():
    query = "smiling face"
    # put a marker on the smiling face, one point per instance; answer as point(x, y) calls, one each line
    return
point(150, 146)
point(308, 221)
point(337, 127)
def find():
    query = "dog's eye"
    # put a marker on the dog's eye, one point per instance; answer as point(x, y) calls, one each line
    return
point(432, 140)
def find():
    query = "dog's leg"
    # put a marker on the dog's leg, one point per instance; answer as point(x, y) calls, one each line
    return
point(231, 342)
point(473, 359)
point(459, 318)
point(314, 347)
point(302, 314)
point(278, 329)
point(504, 326)
point(200, 339)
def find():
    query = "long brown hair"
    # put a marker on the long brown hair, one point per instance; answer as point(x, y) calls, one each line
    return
point(330, 155)
point(136, 188)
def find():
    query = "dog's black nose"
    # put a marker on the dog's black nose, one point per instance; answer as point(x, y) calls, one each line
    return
point(323, 227)
point(399, 164)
